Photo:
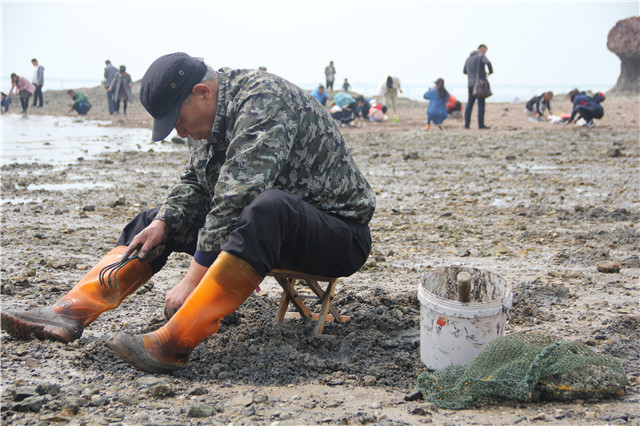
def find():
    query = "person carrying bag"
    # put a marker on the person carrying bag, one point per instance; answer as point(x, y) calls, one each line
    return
point(478, 85)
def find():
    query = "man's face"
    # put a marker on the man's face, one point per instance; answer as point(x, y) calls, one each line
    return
point(35, 63)
point(195, 118)
point(483, 50)
point(321, 90)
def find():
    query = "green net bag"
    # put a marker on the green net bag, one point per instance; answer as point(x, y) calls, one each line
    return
point(525, 367)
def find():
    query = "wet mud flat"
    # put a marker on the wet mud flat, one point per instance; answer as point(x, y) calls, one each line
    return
point(541, 206)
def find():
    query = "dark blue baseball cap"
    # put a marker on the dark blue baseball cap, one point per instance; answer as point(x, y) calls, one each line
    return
point(165, 86)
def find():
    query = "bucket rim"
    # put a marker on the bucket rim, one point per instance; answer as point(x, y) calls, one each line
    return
point(471, 309)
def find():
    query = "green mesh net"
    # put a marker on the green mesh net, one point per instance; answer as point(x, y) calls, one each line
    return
point(525, 367)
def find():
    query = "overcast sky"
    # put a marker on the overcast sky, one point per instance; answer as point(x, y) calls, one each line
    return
point(541, 43)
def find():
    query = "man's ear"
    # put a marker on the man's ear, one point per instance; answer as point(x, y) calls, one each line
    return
point(201, 89)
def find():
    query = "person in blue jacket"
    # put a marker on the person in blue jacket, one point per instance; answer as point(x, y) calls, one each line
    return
point(585, 106)
point(437, 97)
point(320, 95)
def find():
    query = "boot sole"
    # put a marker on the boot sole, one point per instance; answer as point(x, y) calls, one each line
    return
point(24, 329)
point(131, 350)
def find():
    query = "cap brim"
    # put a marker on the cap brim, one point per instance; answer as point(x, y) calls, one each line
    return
point(163, 126)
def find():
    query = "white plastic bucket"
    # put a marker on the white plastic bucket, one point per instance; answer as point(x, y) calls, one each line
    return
point(452, 332)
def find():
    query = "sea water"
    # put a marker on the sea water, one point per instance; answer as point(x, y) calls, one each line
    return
point(62, 140)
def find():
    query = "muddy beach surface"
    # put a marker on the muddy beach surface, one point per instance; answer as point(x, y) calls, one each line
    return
point(541, 205)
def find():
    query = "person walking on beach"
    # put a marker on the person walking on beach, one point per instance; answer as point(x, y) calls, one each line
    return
point(474, 67)
point(79, 102)
point(25, 90)
point(269, 183)
point(38, 82)
point(121, 88)
point(110, 73)
point(330, 75)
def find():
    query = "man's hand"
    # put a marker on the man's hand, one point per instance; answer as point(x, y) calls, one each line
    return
point(178, 294)
point(151, 241)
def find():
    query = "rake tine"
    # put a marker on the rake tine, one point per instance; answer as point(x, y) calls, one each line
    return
point(108, 274)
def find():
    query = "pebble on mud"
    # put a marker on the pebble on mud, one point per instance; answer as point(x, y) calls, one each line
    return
point(608, 267)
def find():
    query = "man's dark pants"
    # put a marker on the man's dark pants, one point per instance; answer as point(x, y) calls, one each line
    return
point(37, 96)
point(278, 230)
point(469, 109)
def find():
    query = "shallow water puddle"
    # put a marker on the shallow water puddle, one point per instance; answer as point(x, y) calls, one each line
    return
point(59, 140)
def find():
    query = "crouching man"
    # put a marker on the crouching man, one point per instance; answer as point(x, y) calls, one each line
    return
point(270, 183)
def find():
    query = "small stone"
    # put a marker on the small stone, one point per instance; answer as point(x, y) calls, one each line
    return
point(241, 401)
point(540, 416)
point(147, 381)
point(128, 400)
point(89, 208)
point(616, 152)
point(120, 201)
point(201, 410)
point(284, 416)
point(24, 392)
point(72, 405)
point(198, 391)
point(48, 388)
point(98, 401)
point(608, 267)
point(161, 390)
point(369, 380)
point(32, 403)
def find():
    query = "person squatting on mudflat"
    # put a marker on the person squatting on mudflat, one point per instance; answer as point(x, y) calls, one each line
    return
point(586, 107)
point(270, 183)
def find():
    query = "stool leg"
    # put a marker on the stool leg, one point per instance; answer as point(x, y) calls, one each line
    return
point(326, 301)
point(288, 285)
point(315, 287)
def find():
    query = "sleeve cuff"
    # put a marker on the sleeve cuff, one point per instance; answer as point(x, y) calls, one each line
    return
point(205, 258)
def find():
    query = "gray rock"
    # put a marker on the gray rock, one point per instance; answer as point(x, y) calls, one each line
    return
point(608, 267)
point(72, 405)
point(201, 410)
point(161, 390)
point(24, 392)
point(48, 388)
point(32, 403)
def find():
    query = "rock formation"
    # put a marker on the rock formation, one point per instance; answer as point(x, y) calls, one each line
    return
point(624, 41)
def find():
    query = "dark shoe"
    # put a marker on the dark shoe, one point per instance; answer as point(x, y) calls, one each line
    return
point(131, 349)
point(484, 127)
point(466, 127)
point(42, 323)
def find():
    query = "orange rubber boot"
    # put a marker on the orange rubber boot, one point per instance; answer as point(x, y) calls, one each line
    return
point(66, 320)
point(225, 286)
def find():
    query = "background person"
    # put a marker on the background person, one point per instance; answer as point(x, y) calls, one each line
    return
point(320, 95)
point(475, 65)
point(437, 97)
point(539, 107)
point(289, 195)
point(6, 101)
point(38, 82)
point(79, 103)
point(389, 89)
point(330, 75)
point(586, 107)
point(110, 73)
point(121, 88)
point(25, 90)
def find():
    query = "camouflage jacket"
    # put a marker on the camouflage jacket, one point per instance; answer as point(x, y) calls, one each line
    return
point(267, 133)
